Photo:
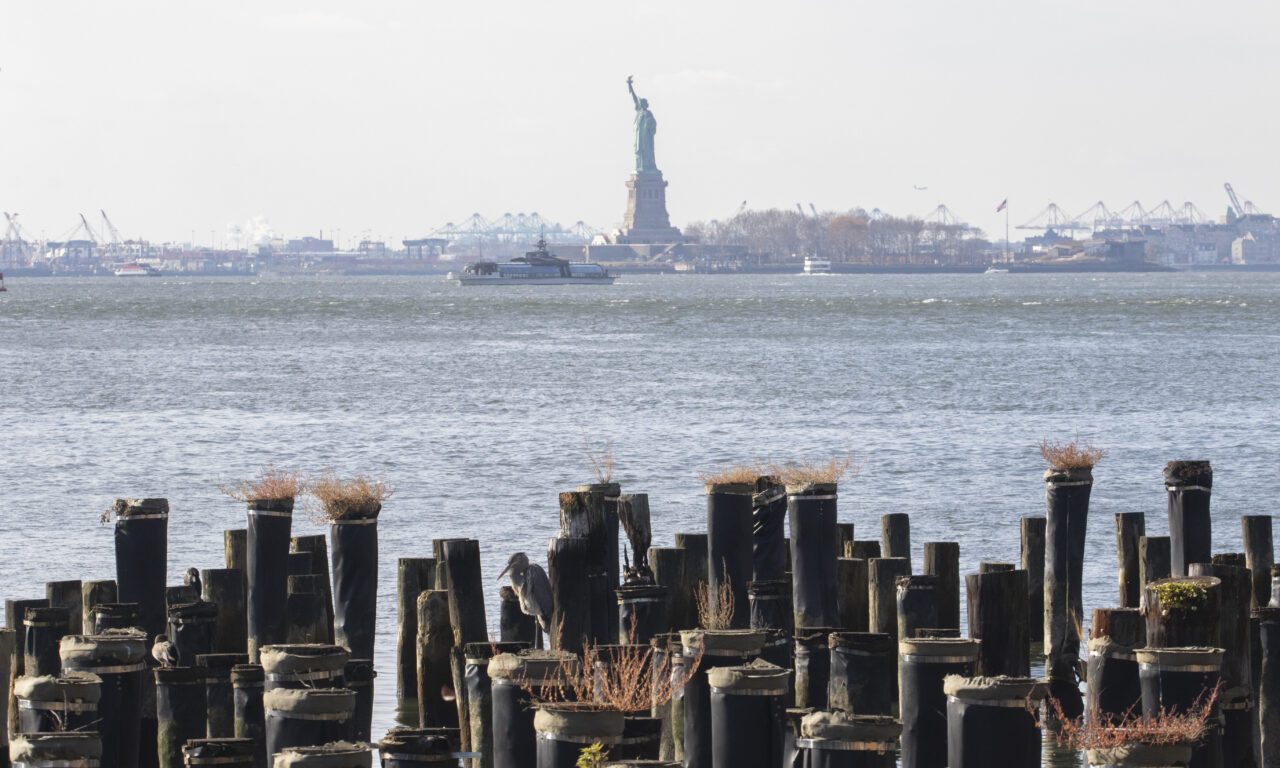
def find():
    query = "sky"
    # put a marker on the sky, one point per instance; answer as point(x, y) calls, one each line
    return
point(388, 119)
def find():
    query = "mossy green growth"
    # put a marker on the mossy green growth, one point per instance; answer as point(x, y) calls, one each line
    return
point(1181, 596)
point(592, 756)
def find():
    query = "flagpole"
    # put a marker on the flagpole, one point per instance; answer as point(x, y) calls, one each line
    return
point(1008, 247)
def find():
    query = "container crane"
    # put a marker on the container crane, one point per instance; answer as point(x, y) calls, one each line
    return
point(111, 228)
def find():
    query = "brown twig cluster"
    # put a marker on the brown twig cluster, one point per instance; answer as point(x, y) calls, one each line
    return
point(1070, 455)
point(814, 472)
point(340, 498)
point(734, 475)
point(720, 615)
point(1133, 728)
point(602, 464)
point(274, 484)
point(623, 678)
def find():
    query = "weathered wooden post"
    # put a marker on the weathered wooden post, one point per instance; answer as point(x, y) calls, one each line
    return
point(1068, 484)
point(308, 620)
point(942, 561)
point(811, 510)
point(895, 537)
point(1183, 613)
point(1179, 680)
point(852, 594)
point(923, 667)
point(768, 529)
point(1269, 685)
point(668, 570)
point(270, 521)
point(694, 546)
point(863, 678)
point(717, 648)
point(181, 711)
point(318, 546)
point(1032, 529)
point(512, 678)
point(306, 717)
point(991, 721)
point(64, 702)
point(745, 702)
point(116, 657)
point(1113, 688)
point(220, 701)
point(434, 676)
point(1130, 528)
point(93, 594)
point(582, 515)
point(836, 740)
point(229, 752)
point(1189, 484)
point(812, 666)
point(1234, 596)
point(224, 589)
point(250, 718)
point(513, 625)
point(865, 549)
point(1153, 560)
point(1259, 552)
point(45, 627)
point(882, 590)
point(568, 566)
point(729, 563)
point(68, 595)
point(352, 513)
point(998, 617)
point(414, 575)
point(606, 496)
point(466, 591)
point(917, 605)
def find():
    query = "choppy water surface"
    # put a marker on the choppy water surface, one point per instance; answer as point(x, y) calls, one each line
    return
point(479, 404)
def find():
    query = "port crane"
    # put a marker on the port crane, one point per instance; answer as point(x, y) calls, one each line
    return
point(111, 228)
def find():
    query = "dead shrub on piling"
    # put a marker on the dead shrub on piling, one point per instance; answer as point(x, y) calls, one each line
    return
point(1070, 455)
point(808, 473)
point(632, 680)
point(1110, 732)
point(719, 616)
point(274, 484)
point(338, 498)
point(739, 474)
point(601, 463)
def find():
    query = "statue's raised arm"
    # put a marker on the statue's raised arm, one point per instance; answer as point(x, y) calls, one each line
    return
point(634, 99)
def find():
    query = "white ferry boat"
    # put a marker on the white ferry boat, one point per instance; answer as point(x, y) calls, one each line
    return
point(135, 270)
point(813, 266)
point(540, 267)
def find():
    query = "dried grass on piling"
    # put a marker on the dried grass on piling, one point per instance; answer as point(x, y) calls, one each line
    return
point(741, 474)
point(634, 679)
point(1070, 455)
point(1110, 732)
point(339, 498)
point(721, 615)
point(601, 462)
point(274, 484)
point(803, 473)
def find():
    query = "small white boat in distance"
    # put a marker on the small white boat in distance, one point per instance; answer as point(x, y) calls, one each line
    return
point(135, 270)
point(994, 270)
point(540, 267)
point(813, 266)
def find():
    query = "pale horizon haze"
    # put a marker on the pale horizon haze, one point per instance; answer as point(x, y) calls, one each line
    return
point(389, 119)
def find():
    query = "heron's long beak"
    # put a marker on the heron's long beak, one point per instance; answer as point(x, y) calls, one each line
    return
point(504, 572)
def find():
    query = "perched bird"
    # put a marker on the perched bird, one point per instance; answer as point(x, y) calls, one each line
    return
point(532, 587)
point(163, 652)
point(192, 579)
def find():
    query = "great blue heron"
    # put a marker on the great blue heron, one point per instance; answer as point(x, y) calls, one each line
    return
point(532, 587)
point(163, 652)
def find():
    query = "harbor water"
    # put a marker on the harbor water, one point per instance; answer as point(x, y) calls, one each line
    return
point(480, 404)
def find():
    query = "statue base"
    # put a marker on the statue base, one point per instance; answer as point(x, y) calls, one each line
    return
point(646, 220)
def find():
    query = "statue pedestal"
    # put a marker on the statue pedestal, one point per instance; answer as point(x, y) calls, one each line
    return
point(647, 220)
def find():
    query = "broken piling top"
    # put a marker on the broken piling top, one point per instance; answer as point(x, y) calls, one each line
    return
point(998, 691)
point(841, 726)
point(141, 508)
point(339, 754)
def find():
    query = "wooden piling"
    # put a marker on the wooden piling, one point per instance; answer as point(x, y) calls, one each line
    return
point(882, 593)
point(606, 497)
point(998, 617)
point(92, 594)
point(466, 592)
point(895, 537)
point(434, 675)
point(1153, 560)
point(1234, 595)
point(568, 561)
point(414, 575)
point(1189, 485)
point(1183, 612)
point(845, 531)
point(1259, 552)
point(917, 607)
point(865, 549)
point(1032, 561)
point(729, 552)
point(68, 595)
point(942, 560)
point(582, 515)
point(224, 587)
point(987, 566)
point(852, 594)
point(1269, 684)
point(318, 546)
point(668, 565)
point(1130, 528)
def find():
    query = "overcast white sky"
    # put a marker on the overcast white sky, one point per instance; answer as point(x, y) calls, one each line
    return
point(395, 117)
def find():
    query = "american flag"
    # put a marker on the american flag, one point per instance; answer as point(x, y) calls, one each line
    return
point(1003, 204)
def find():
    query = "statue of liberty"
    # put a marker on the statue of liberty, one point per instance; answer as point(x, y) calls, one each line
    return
point(646, 126)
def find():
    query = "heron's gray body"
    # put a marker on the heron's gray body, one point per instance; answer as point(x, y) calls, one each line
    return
point(533, 589)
